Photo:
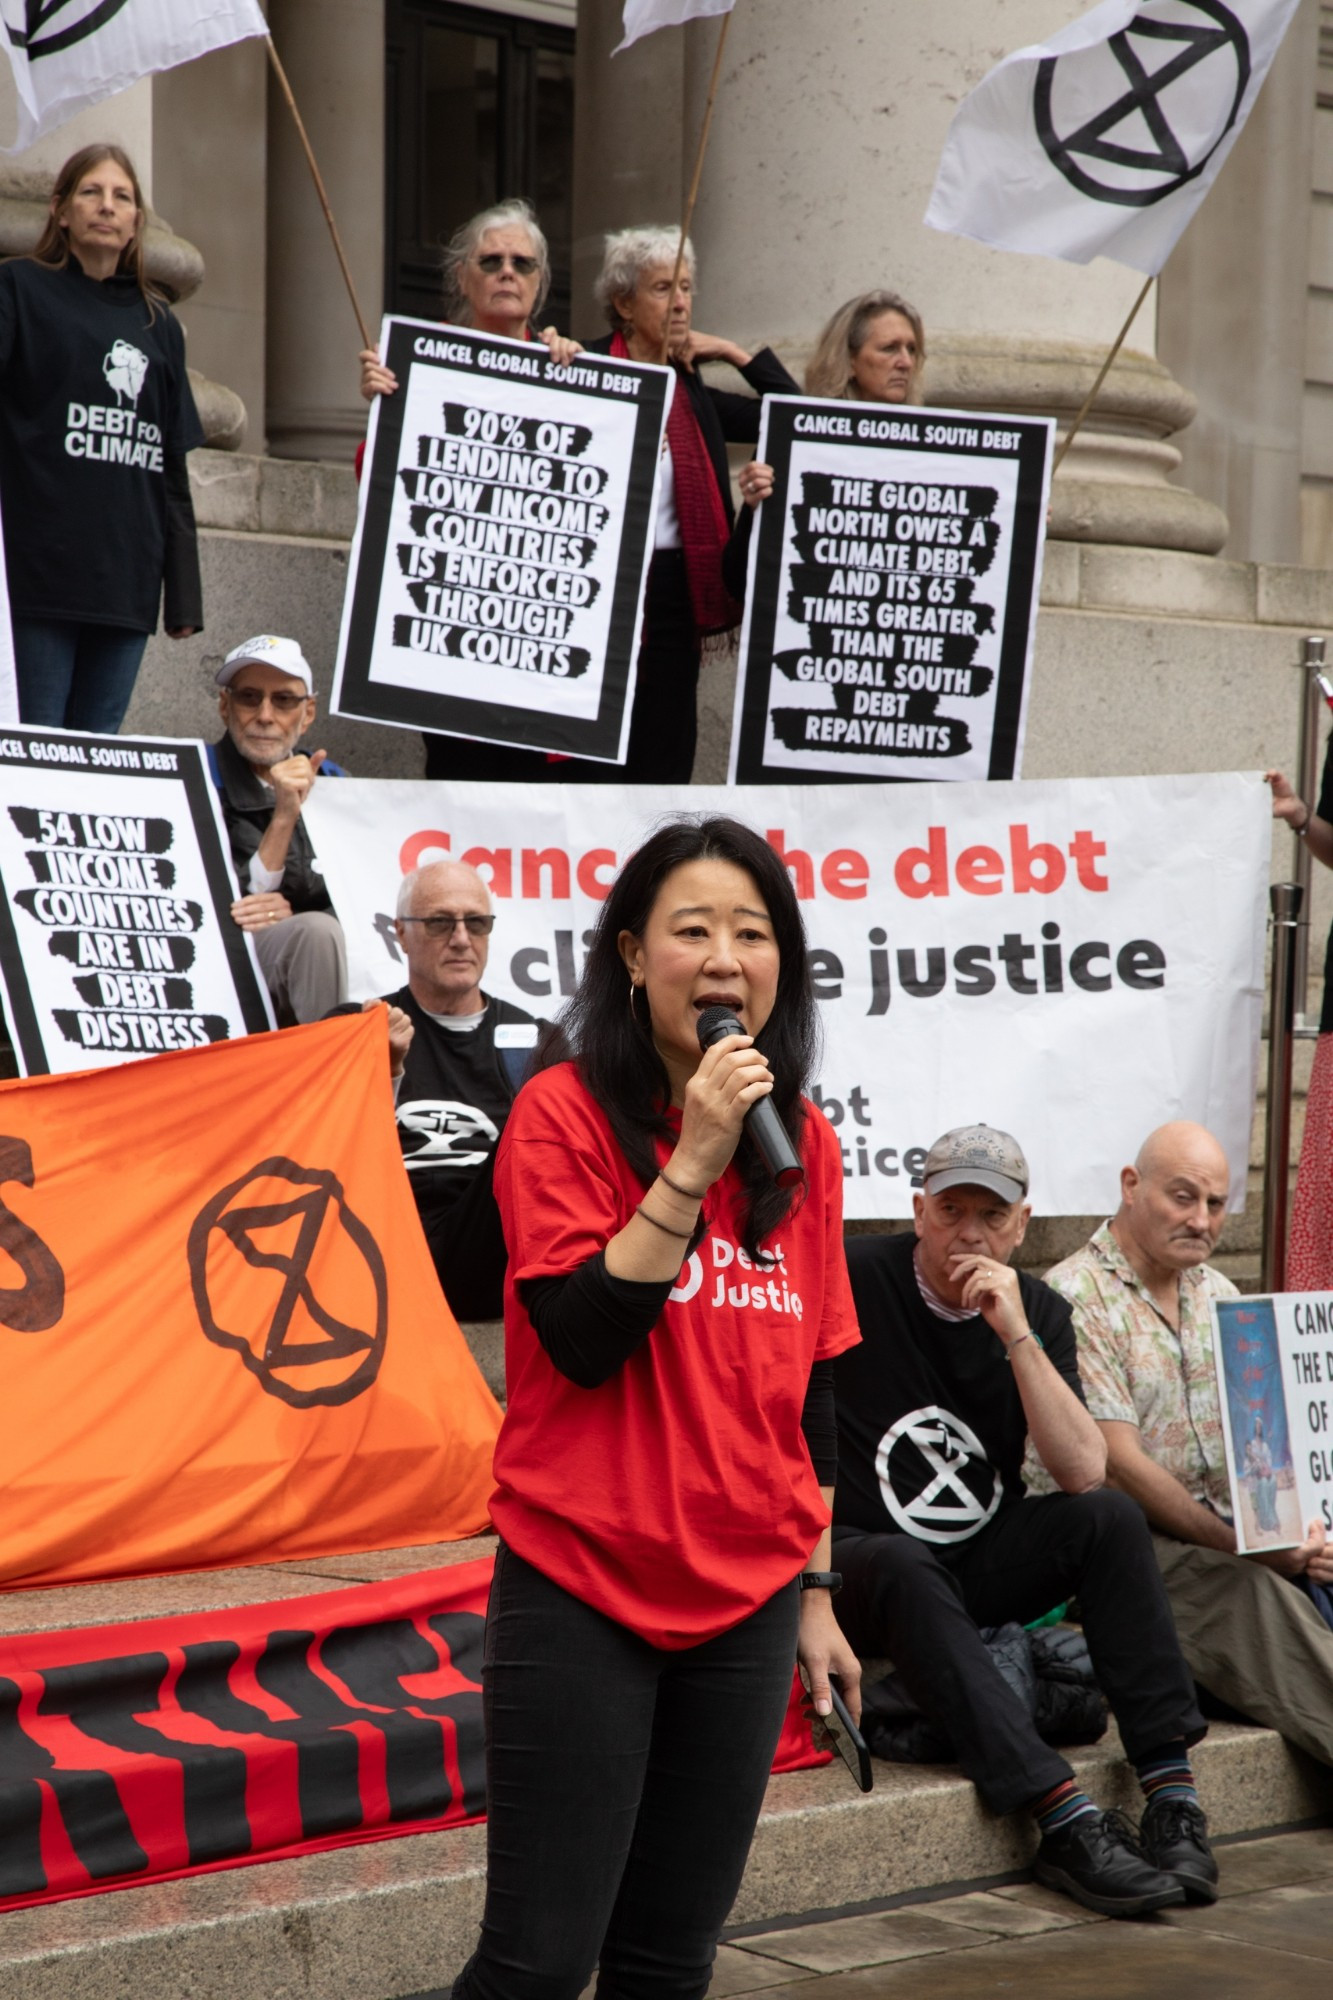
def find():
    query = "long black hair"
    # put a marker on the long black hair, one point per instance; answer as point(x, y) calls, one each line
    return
point(610, 1041)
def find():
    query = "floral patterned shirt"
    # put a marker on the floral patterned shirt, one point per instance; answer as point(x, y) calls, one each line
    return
point(1138, 1370)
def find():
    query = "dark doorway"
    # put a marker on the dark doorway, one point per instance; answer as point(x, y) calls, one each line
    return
point(480, 107)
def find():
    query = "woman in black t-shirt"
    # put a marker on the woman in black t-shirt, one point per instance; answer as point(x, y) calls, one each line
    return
point(96, 417)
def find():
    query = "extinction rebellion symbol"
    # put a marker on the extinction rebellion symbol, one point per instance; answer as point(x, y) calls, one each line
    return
point(40, 35)
point(1122, 124)
point(268, 1257)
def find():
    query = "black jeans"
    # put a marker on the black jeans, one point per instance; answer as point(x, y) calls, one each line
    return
point(623, 1786)
point(921, 1607)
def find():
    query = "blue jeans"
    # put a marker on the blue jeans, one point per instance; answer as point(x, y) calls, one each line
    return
point(75, 676)
point(623, 1785)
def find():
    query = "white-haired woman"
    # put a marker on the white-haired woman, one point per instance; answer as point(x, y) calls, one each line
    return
point(687, 598)
point(873, 350)
point(497, 273)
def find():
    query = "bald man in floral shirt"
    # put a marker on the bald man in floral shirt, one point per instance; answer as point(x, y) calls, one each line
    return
point(1140, 1292)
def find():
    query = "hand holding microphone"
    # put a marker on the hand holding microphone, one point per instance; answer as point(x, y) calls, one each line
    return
point(761, 1120)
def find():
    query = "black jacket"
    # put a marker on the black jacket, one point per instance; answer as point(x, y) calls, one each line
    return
point(247, 808)
point(724, 417)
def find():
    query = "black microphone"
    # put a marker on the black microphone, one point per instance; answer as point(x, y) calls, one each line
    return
point(761, 1120)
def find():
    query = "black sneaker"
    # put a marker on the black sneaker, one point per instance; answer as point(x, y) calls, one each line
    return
point(1098, 1862)
point(1174, 1833)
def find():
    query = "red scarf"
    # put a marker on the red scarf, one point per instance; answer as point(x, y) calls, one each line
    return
point(704, 532)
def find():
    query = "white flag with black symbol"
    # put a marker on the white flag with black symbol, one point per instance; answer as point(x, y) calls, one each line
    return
point(644, 17)
point(68, 54)
point(1103, 141)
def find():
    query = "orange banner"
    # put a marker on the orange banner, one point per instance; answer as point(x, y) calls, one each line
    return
point(222, 1339)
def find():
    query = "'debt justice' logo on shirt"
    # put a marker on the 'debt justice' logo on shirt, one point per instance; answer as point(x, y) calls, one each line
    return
point(114, 432)
point(768, 1291)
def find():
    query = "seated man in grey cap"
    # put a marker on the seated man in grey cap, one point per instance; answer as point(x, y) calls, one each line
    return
point(963, 1359)
point(267, 703)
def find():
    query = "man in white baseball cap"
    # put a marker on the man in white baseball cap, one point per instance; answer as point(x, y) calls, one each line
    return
point(267, 703)
point(963, 1360)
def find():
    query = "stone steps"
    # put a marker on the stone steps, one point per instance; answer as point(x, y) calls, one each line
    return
point(399, 1916)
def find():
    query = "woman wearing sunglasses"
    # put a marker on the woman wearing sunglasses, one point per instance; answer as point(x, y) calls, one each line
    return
point(497, 272)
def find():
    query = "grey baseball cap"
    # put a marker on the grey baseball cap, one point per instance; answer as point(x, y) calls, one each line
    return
point(977, 1156)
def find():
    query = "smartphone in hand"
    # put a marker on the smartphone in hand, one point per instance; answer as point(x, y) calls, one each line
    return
point(838, 1732)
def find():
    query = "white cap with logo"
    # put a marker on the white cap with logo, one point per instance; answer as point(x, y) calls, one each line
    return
point(267, 651)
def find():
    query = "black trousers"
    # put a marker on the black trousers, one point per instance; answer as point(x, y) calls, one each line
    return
point(623, 1785)
point(663, 722)
point(921, 1606)
point(468, 1246)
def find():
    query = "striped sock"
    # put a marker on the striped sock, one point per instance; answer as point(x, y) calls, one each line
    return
point(1167, 1775)
point(1060, 1807)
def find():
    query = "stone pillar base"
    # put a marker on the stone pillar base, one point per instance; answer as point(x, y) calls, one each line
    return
point(1113, 485)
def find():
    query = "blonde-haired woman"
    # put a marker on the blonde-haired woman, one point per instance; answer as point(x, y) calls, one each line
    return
point(873, 350)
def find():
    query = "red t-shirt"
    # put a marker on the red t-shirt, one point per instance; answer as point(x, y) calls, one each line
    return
point(678, 1496)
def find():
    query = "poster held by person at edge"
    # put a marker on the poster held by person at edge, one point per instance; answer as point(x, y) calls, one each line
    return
point(116, 935)
point(892, 594)
point(1274, 1358)
point(502, 544)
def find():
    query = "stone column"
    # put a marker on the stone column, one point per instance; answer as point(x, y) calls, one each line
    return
point(828, 132)
point(1232, 315)
point(628, 127)
point(333, 52)
point(210, 129)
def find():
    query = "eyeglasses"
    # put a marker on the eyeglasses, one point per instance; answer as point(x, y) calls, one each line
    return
point(280, 703)
point(492, 262)
point(447, 923)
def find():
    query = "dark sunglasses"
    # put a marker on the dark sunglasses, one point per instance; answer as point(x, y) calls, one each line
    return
point(491, 263)
point(447, 923)
point(281, 704)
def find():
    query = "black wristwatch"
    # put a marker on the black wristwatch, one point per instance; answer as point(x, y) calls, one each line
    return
point(820, 1579)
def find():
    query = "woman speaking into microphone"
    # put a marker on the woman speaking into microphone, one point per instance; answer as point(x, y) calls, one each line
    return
point(665, 1466)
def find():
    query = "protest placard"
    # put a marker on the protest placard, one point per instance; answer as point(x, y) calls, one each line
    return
point(1014, 953)
point(892, 594)
point(502, 543)
point(116, 938)
point(1274, 1358)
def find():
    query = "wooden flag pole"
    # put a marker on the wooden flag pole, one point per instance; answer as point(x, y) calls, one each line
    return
point(694, 184)
point(320, 190)
point(1104, 371)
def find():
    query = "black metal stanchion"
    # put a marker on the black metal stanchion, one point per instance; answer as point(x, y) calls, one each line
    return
point(1284, 899)
point(1310, 663)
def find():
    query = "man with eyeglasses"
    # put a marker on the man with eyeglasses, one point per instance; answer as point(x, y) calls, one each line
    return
point(470, 1052)
point(267, 703)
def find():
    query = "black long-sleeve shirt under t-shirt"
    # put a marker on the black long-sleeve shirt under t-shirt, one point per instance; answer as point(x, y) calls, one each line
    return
point(590, 1322)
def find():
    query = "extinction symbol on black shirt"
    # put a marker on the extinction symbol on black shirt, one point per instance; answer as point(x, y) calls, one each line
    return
point(307, 1354)
point(934, 1476)
point(1165, 164)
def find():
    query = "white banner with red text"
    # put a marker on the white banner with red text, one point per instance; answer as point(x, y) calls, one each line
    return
point(1074, 960)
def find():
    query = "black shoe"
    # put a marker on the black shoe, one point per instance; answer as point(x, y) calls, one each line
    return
point(1174, 1833)
point(1098, 1862)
